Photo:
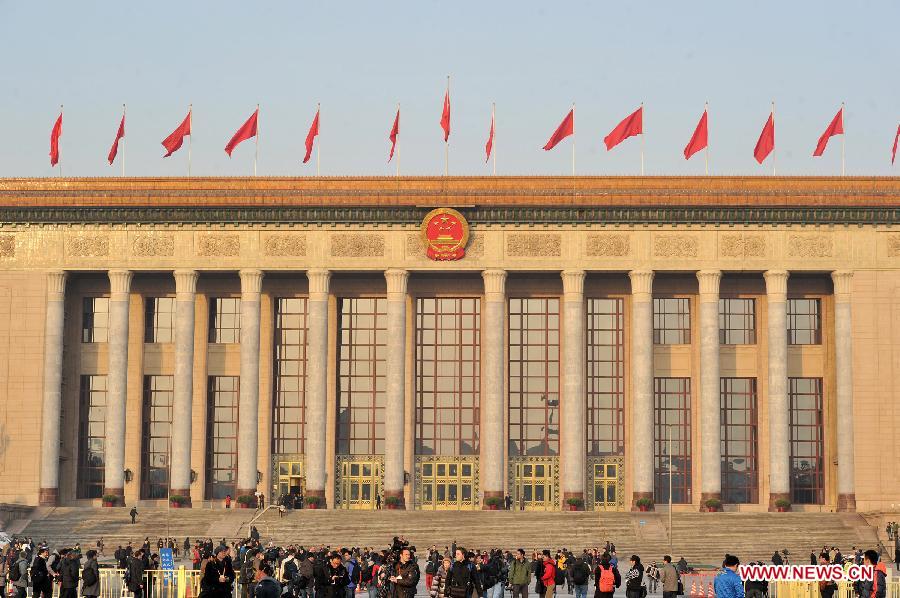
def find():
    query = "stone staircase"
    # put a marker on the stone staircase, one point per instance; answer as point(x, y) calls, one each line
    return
point(699, 537)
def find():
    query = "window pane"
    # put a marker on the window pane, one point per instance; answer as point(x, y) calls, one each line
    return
point(605, 377)
point(737, 321)
point(739, 431)
point(159, 320)
point(807, 441)
point(225, 320)
point(94, 319)
point(289, 390)
point(221, 436)
point(672, 321)
point(92, 436)
point(156, 436)
point(804, 322)
point(672, 417)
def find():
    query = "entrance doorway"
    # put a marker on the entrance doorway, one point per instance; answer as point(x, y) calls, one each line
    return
point(606, 487)
point(290, 480)
point(447, 486)
point(360, 484)
point(534, 487)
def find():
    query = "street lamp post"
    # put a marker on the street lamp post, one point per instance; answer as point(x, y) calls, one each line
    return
point(669, 450)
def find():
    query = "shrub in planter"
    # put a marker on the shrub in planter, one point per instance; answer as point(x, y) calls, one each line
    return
point(177, 500)
point(575, 503)
point(313, 502)
point(713, 505)
point(244, 501)
point(782, 504)
point(644, 504)
point(393, 502)
point(493, 503)
point(110, 500)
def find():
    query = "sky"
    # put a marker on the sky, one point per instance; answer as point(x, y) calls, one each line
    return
point(533, 59)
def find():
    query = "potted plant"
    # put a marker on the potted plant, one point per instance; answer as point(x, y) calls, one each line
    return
point(244, 501)
point(575, 503)
point(713, 505)
point(176, 501)
point(493, 503)
point(312, 502)
point(782, 505)
point(110, 500)
point(644, 504)
point(393, 503)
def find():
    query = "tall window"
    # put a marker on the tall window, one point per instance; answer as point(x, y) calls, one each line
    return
point(91, 436)
point(159, 320)
point(737, 321)
point(672, 416)
point(221, 436)
point(95, 319)
point(289, 404)
point(448, 376)
point(804, 322)
point(672, 321)
point(361, 378)
point(225, 320)
point(807, 441)
point(156, 436)
point(739, 440)
point(534, 376)
point(605, 377)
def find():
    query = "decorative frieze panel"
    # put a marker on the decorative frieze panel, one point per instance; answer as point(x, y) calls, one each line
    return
point(219, 245)
point(7, 246)
point(742, 245)
point(153, 245)
point(285, 245)
point(415, 247)
point(607, 245)
point(675, 246)
point(893, 245)
point(810, 246)
point(533, 245)
point(83, 245)
point(357, 245)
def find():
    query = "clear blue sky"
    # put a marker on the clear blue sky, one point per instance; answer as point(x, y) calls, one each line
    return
point(532, 58)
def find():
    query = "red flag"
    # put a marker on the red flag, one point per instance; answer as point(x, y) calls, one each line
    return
point(395, 130)
point(445, 116)
point(565, 128)
point(489, 146)
point(835, 128)
point(247, 131)
point(115, 146)
point(766, 142)
point(894, 151)
point(54, 140)
point(311, 136)
point(173, 142)
point(631, 126)
point(700, 138)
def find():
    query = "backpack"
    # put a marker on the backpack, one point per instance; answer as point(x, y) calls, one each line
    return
point(88, 576)
point(431, 567)
point(15, 574)
point(579, 575)
point(607, 581)
point(290, 570)
point(560, 577)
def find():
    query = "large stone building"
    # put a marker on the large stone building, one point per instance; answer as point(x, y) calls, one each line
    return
point(601, 339)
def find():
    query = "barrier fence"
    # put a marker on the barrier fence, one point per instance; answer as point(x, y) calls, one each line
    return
point(700, 585)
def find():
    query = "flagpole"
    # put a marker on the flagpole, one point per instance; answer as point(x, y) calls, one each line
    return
point(773, 136)
point(494, 140)
point(706, 110)
point(318, 145)
point(123, 142)
point(573, 139)
point(642, 138)
point(191, 136)
point(59, 162)
point(256, 157)
point(398, 141)
point(447, 142)
point(843, 137)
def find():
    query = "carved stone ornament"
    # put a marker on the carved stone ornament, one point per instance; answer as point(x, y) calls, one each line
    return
point(87, 246)
point(675, 246)
point(153, 245)
point(357, 245)
point(285, 245)
point(607, 245)
point(807, 246)
point(893, 245)
point(228, 245)
point(7, 246)
point(741, 245)
point(415, 247)
point(533, 245)
point(445, 234)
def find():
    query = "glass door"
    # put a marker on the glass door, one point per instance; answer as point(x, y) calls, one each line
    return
point(360, 480)
point(447, 486)
point(606, 487)
point(534, 487)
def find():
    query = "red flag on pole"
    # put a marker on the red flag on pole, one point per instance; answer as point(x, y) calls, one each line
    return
point(700, 138)
point(395, 130)
point(115, 146)
point(247, 131)
point(311, 136)
point(445, 116)
point(173, 142)
point(565, 128)
point(632, 125)
point(835, 128)
point(55, 134)
point(489, 146)
point(894, 151)
point(766, 142)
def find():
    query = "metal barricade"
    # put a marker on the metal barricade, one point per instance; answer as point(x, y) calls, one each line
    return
point(178, 583)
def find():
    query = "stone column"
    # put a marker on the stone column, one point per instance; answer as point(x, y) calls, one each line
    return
point(843, 362)
point(778, 405)
point(641, 384)
point(710, 387)
point(573, 434)
point(117, 382)
point(183, 395)
point(395, 396)
point(48, 494)
point(248, 408)
point(492, 424)
point(316, 381)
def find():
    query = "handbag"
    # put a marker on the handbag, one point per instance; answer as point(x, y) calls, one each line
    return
point(643, 591)
point(680, 591)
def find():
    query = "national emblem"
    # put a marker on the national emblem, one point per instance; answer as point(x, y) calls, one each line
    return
point(445, 233)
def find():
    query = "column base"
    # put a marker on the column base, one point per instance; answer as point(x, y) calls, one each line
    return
point(315, 495)
point(576, 497)
point(776, 496)
point(119, 493)
point(48, 497)
point(394, 500)
point(185, 492)
point(846, 503)
point(705, 496)
point(636, 496)
point(492, 494)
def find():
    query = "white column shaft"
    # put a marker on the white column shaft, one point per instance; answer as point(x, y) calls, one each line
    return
point(710, 385)
point(778, 406)
point(843, 341)
point(183, 395)
point(53, 357)
point(642, 380)
point(248, 408)
point(316, 380)
point(117, 379)
point(493, 420)
point(395, 396)
point(573, 431)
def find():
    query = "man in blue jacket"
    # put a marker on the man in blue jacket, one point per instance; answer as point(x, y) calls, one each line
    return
point(728, 583)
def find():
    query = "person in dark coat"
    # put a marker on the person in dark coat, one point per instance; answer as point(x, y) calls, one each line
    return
point(404, 576)
point(69, 575)
point(41, 580)
point(458, 583)
point(634, 579)
point(218, 575)
point(134, 573)
point(267, 586)
point(331, 578)
point(90, 576)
